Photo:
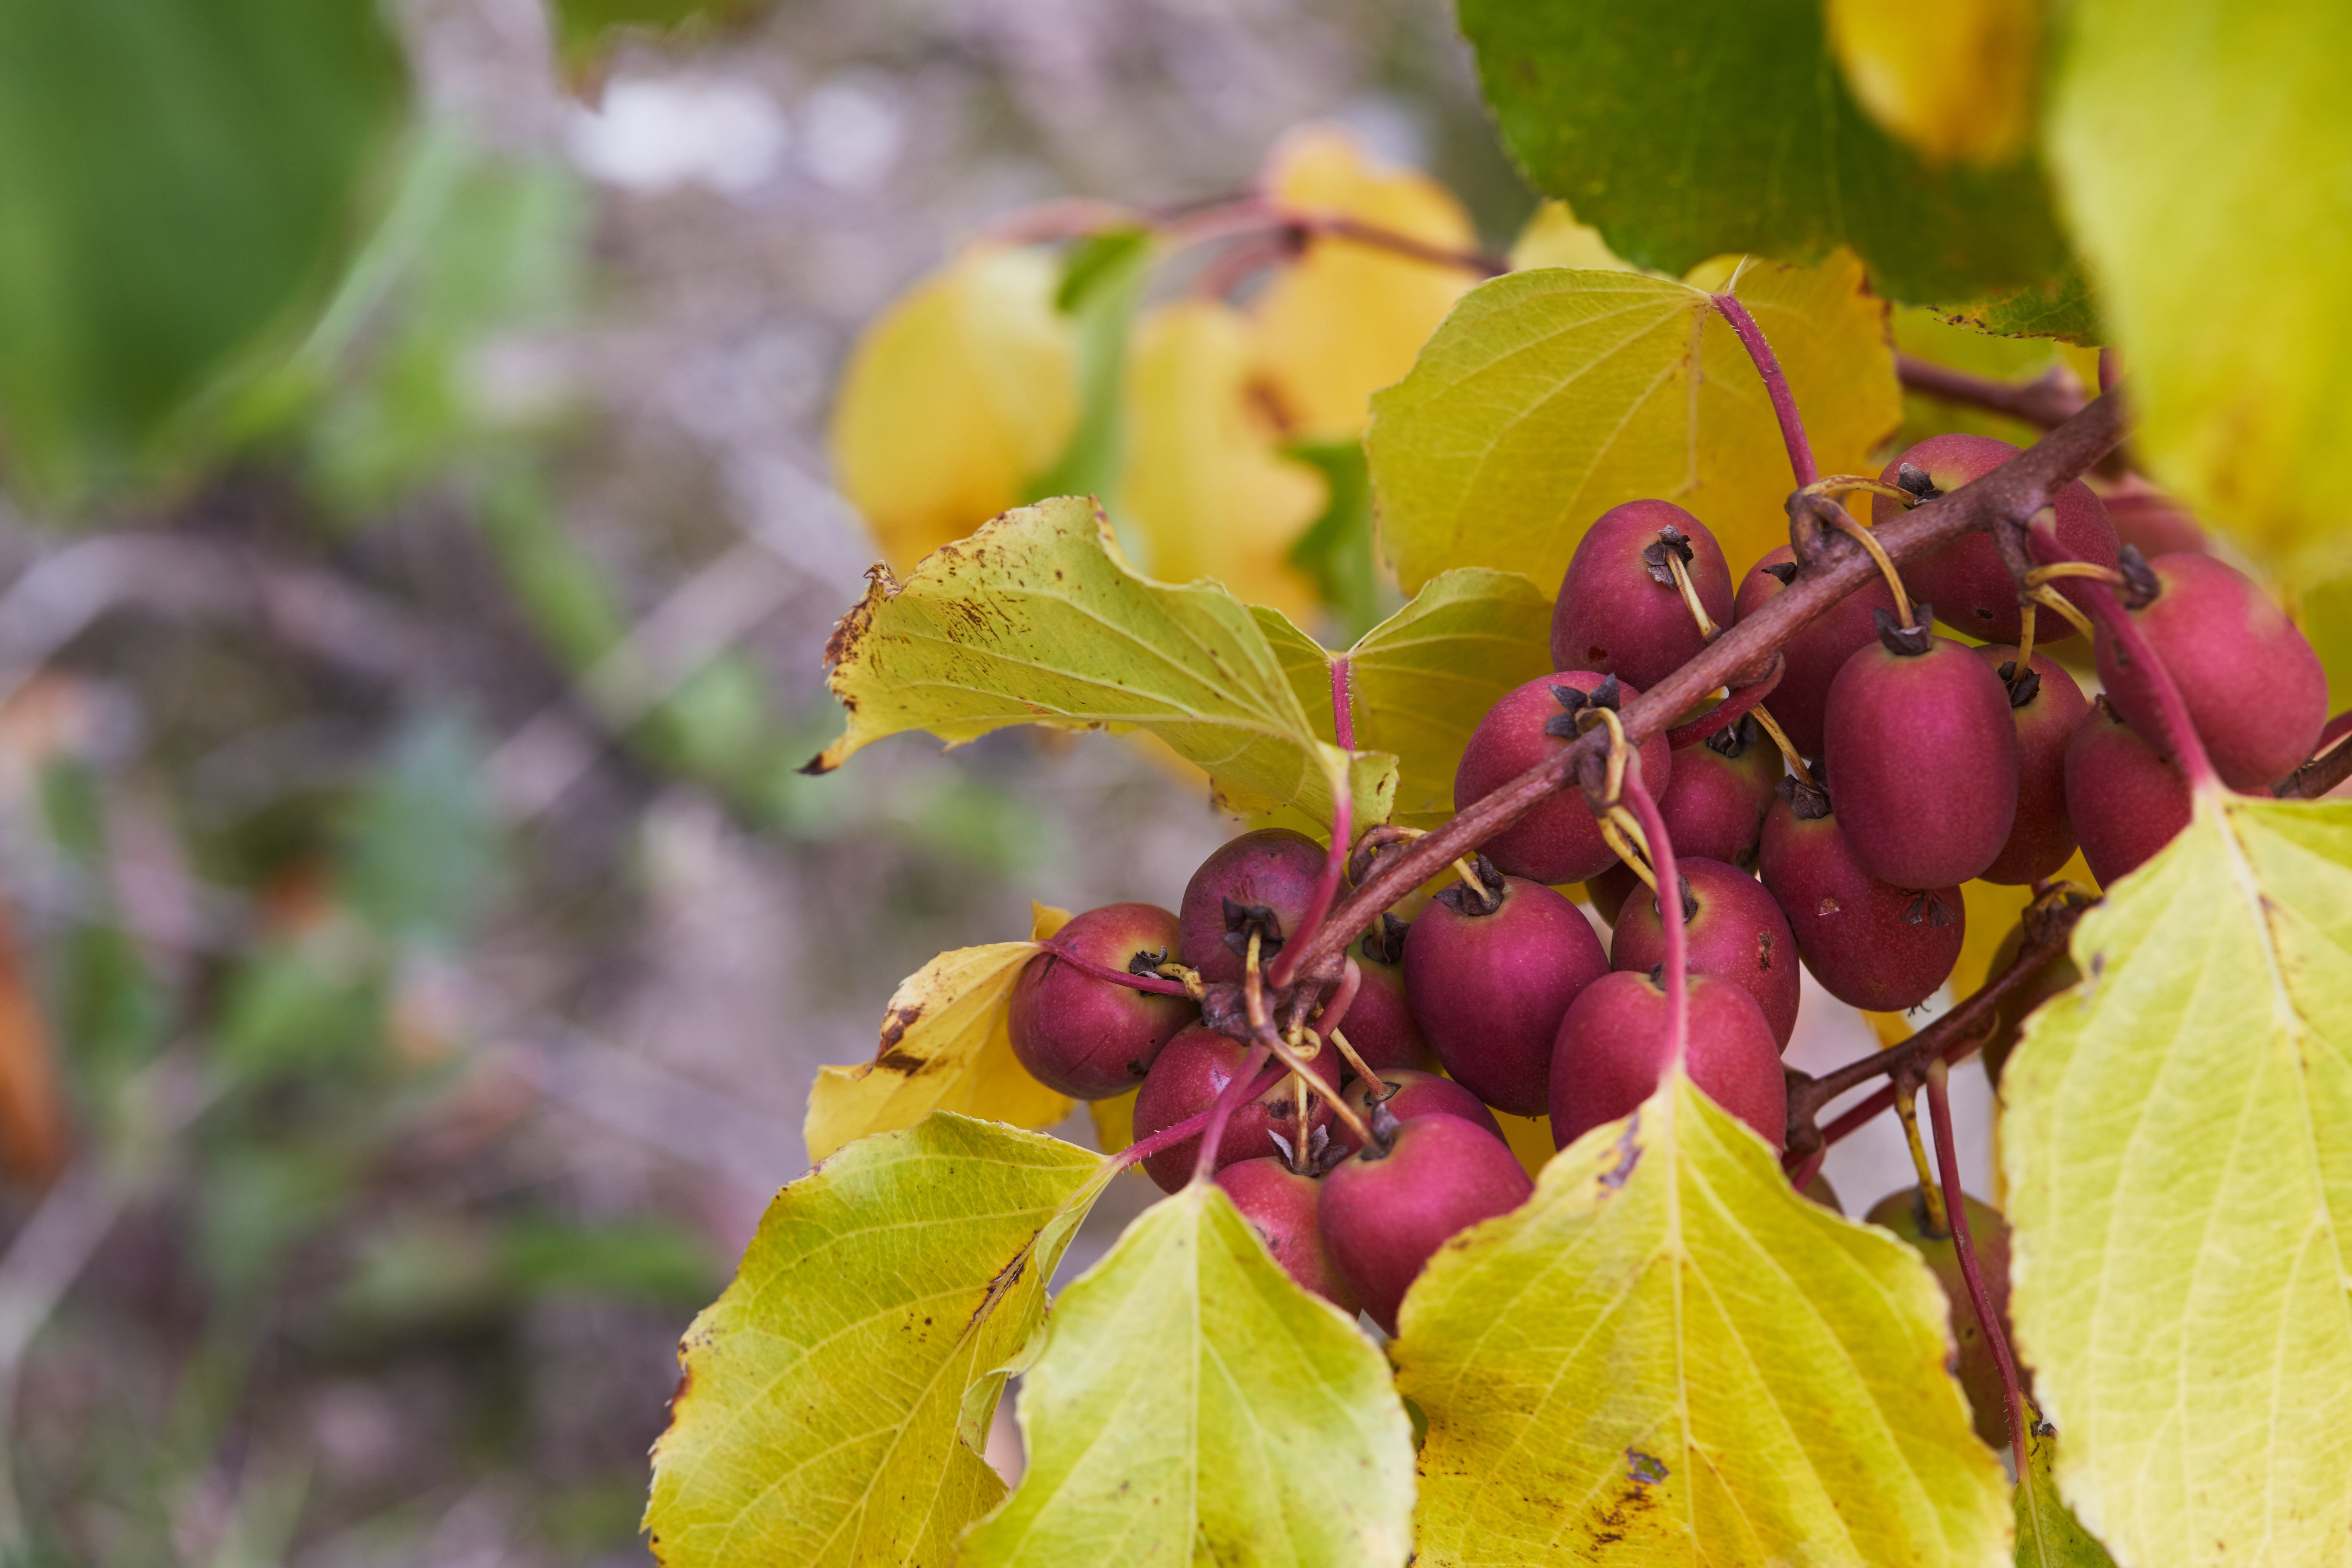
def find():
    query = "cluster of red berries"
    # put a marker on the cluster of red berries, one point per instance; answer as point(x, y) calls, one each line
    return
point(1945, 763)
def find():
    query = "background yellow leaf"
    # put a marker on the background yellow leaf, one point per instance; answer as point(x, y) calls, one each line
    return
point(2201, 149)
point(953, 398)
point(945, 1046)
point(1346, 319)
point(1204, 484)
point(818, 1419)
point(1956, 80)
point(2178, 1140)
point(1037, 618)
point(1549, 397)
point(1667, 1356)
point(1555, 238)
point(1192, 1405)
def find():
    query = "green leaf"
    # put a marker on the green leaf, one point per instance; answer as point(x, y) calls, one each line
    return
point(1549, 397)
point(1038, 618)
point(1692, 131)
point(2066, 307)
point(178, 179)
point(1102, 279)
point(2201, 149)
point(1194, 1405)
point(1337, 548)
point(2047, 1535)
point(584, 29)
point(831, 1396)
point(2178, 1140)
point(1667, 1352)
point(420, 847)
point(1424, 678)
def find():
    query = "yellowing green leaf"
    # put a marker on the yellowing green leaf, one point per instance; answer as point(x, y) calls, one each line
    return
point(961, 391)
point(1205, 484)
point(1553, 237)
point(1956, 80)
point(2201, 149)
point(1424, 678)
point(1346, 319)
point(1549, 397)
point(1194, 1405)
point(1667, 1356)
point(823, 1416)
point(945, 1046)
point(2177, 1140)
point(2047, 1535)
point(1038, 619)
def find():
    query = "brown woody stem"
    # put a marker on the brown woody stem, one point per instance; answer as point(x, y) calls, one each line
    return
point(1836, 568)
point(2045, 401)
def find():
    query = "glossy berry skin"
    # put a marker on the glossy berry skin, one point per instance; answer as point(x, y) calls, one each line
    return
point(2251, 683)
point(1380, 1024)
point(2044, 712)
point(1091, 1038)
point(1274, 866)
point(1383, 1212)
point(1280, 1204)
point(1192, 1071)
point(1613, 1046)
point(1559, 841)
point(1965, 580)
point(1872, 945)
point(1619, 611)
point(1906, 1215)
point(1923, 756)
point(1411, 1094)
point(1714, 806)
point(1489, 987)
point(2126, 801)
point(1733, 931)
point(1815, 655)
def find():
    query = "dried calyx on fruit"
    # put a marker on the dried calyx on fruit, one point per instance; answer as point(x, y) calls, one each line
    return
point(1380, 1024)
point(1732, 931)
point(1714, 806)
point(1556, 840)
point(2044, 706)
point(1384, 1211)
point(1810, 658)
point(1622, 608)
point(1089, 1038)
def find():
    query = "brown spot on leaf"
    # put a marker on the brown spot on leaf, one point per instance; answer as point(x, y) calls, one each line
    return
point(999, 1288)
point(1629, 1154)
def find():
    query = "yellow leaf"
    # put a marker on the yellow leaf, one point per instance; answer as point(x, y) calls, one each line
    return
point(1204, 484)
point(2201, 149)
point(1667, 1356)
point(1192, 1405)
point(1037, 618)
point(832, 1397)
point(1424, 678)
point(953, 398)
point(945, 1046)
point(1347, 318)
point(1549, 397)
point(1553, 237)
point(2177, 1140)
point(1956, 80)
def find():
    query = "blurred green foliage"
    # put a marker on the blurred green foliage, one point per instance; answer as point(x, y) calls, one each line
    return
point(176, 177)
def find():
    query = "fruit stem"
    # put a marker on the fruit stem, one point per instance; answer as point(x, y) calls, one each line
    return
point(1955, 1204)
point(1348, 1054)
point(1784, 402)
point(2045, 401)
point(1239, 1089)
point(1670, 909)
point(1771, 727)
point(2180, 734)
point(1327, 886)
point(1689, 591)
point(1907, 1108)
point(2013, 490)
point(1154, 983)
point(1738, 701)
point(2057, 569)
point(2025, 609)
point(2052, 599)
point(1192, 1126)
point(1262, 1032)
point(1840, 484)
point(1627, 852)
point(1849, 525)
